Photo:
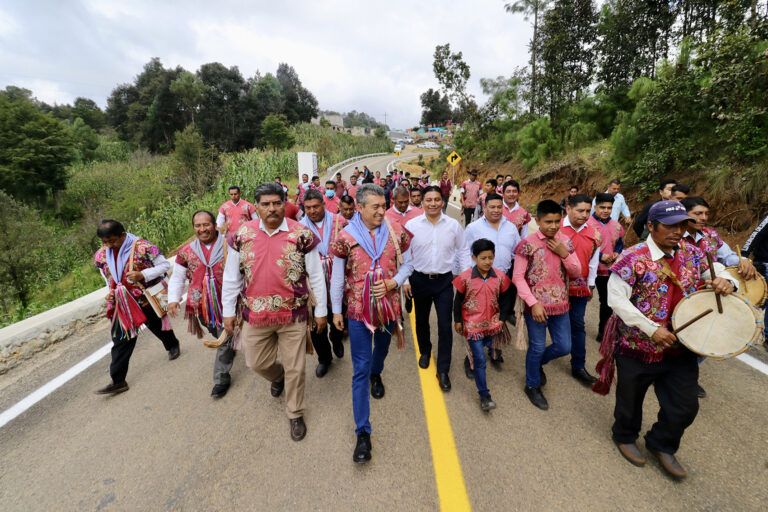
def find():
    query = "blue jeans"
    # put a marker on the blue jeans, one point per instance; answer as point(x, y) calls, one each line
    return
point(578, 333)
point(368, 352)
point(537, 356)
point(478, 359)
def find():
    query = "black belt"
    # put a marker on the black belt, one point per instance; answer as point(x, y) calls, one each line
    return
point(433, 276)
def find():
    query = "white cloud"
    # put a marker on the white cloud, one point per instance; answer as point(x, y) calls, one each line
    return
point(367, 56)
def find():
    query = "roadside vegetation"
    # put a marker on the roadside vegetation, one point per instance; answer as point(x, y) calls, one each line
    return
point(168, 144)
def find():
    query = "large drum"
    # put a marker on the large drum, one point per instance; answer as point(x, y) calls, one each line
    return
point(717, 335)
point(754, 290)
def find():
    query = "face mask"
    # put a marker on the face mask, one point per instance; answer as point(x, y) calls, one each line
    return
point(330, 193)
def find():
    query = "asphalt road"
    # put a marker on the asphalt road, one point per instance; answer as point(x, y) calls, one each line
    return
point(166, 445)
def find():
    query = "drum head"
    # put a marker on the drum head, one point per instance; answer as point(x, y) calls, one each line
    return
point(717, 335)
point(754, 290)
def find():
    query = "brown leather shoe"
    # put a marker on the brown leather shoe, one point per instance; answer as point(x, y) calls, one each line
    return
point(298, 429)
point(632, 453)
point(670, 464)
point(277, 387)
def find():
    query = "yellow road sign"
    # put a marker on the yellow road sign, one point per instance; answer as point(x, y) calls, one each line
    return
point(454, 158)
point(397, 153)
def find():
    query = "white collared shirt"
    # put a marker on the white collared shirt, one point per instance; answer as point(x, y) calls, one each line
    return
point(232, 283)
point(593, 262)
point(619, 293)
point(435, 247)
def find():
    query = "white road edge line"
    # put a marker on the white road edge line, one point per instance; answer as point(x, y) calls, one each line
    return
point(753, 362)
point(43, 391)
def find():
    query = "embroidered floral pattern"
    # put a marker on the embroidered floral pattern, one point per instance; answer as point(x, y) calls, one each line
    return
point(143, 257)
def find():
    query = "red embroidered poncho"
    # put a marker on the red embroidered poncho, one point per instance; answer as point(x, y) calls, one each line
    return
point(481, 306)
point(585, 243)
point(610, 233)
point(236, 214)
point(274, 272)
point(196, 270)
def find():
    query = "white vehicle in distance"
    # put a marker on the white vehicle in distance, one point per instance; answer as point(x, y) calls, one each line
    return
point(398, 147)
point(448, 146)
point(428, 145)
point(408, 140)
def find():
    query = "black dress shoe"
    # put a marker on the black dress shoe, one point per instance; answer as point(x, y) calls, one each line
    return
point(322, 369)
point(701, 392)
point(338, 349)
point(219, 390)
point(486, 403)
point(174, 353)
point(583, 376)
point(276, 388)
point(537, 398)
point(362, 452)
point(424, 361)
point(298, 429)
point(467, 369)
point(408, 305)
point(542, 377)
point(495, 360)
point(112, 389)
point(444, 380)
point(377, 387)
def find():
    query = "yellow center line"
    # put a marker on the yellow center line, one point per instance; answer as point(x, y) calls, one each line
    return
point(450, 481)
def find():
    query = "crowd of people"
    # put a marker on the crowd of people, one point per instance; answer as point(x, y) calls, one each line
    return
point(275, 277)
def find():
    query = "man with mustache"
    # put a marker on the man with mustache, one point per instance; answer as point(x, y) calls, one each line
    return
point(234, 212)
point(271, 263)
point(201, 262)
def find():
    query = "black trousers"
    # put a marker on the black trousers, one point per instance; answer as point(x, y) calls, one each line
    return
point(675, 380)
point(321, 343)
point(425, 292)
point(123, 348)
point(601, 283)
point(468, 214)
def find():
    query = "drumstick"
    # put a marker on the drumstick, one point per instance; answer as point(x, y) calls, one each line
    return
point(711, 263)
point(692, 320)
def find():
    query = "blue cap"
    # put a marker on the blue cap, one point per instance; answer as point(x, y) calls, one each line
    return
point(668, 213)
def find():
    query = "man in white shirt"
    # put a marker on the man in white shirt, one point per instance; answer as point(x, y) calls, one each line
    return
point(438, 241)
point(620, 207)
point(270, 262)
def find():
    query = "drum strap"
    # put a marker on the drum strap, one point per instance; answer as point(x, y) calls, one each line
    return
point(667, 271)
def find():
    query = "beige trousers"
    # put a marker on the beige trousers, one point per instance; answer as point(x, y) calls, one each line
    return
point(260, 345)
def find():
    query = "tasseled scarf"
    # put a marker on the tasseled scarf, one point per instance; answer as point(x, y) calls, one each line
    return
point(128, 316)
point(606, 367)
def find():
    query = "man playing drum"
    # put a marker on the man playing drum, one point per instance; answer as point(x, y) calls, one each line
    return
point(646, 283)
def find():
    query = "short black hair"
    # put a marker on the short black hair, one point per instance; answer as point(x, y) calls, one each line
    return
point(574, 186)
point(685, 189)
point(615, 182)
point(278, 178)
point(499, 176)
point(213, 219)
point(666, 182)
point(482, 245)
point(234, 187)
point(315, 177)
point(604, 197)
point(347, 200)
point(492, 182)
point(579, 198)
point(493, 196)
point(417, 189)
point(407, 174)
point(269, 189)
point(511, 183)
point(547, 207)
point(330, 182)
point(108, 228)
point(431, 188)
point(693, 201)
point(313, 193)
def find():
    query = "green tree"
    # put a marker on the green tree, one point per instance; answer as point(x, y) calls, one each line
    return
point(276, 133)
point(87, 110)
point(453, 74)
point(435, 108)
point(536, 142)
point(567, 40)
point(84, 139)
point(35, 150)
point(380, 132)
point(195, 166)
point(530, 9)
point(23, 237)
point(191, 92)
point(300, 105)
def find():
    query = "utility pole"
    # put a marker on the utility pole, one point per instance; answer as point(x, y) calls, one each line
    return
point(385, 118)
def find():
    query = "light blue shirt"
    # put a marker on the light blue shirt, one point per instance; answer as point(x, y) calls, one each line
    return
point(620, 207)
point(725, 254)
point(505, 239)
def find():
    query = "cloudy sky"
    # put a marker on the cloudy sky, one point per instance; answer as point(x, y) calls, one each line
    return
point(368, 56)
